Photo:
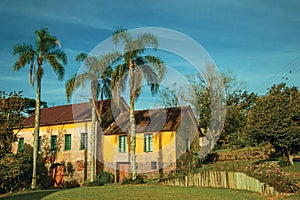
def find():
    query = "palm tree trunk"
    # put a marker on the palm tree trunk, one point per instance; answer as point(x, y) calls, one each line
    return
point(94, 107)
point(100, 141)
point(36, 128)
point(93, 143)
point(132, 123)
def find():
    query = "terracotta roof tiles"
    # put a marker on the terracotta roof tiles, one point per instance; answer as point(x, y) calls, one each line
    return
point(167, 119)
point(64, 114)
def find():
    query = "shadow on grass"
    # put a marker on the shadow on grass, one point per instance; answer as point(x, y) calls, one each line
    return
point(34, 195)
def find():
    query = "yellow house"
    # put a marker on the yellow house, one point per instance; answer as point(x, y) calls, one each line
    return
point(65, 136)
point(166, 140)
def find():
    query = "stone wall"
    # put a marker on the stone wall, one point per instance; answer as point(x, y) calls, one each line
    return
point(241, 155)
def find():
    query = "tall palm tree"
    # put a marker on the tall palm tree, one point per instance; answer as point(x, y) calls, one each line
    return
point(98, 74)
point(46, 49)
point(140, 67)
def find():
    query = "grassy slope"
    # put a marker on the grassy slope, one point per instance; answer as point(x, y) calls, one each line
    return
point(151, 192)
point(142, 192)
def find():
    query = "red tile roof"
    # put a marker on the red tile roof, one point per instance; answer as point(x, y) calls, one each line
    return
point(64, 114)
point(168, 119)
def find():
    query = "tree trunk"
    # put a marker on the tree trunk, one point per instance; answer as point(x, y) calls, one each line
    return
point(291, 158)
point(132, 123)
point(36, 127)
point(92, 153)
point(94, 108)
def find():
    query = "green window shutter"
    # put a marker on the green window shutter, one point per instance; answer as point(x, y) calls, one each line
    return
point(39, 143)
point(68, 142)
point(123, 143)
point(21, 145)
point(53, 142)
point(148, 147)
point(83, 141)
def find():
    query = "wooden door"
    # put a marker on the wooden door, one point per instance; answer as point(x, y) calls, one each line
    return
point(124, 171)
point(58, 173)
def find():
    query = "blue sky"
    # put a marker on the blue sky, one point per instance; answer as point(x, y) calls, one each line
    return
point(257, 40)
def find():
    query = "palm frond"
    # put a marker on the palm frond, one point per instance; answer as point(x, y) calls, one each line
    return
point(138, 82)
point(119, 77)
point(32, 74)
point(158, 64)
point(107, 72)
point(56, 66)
point(147, 40)
point(74, 83)
point(91, 62)
point(59, 55)
point(81, 57)
point(106, 88)
point(26, 55)
point(98, 89)
point(69, 87)
point(44, 41)
point(149, 74)
point(121, 35)
point(109, 59)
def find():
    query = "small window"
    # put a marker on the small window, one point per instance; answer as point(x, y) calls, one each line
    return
point(187, 144)
point(123, 143)
point(53, 142)
point(39, 143)
point(68, 142)
point(153, 165)
point(148, 143)
point(21, 145)
point(83, 141)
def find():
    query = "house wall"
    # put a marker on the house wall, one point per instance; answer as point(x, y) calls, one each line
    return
point(162, 157)
point(79, 158)
point(187, 143)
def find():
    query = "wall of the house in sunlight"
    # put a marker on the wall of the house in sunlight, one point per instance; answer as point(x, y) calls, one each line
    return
point(149, 164)
point(75, 155)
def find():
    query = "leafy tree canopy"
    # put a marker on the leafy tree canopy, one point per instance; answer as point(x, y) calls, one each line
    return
point(11, 107)
point(276, 118)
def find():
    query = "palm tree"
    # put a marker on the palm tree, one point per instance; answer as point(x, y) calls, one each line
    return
point(140, 67)
point(98, 74)
point(46, 49)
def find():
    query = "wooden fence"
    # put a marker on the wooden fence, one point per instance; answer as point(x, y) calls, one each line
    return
point(216, 179)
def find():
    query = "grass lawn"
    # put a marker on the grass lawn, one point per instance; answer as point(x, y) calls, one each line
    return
point(293, 169)
point(29, 195)
point(150, 192)
point(116, 191)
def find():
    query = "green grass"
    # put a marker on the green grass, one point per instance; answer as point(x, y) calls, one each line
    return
point(151, 192)
point(293, 169)
point(134, 192)
point(29, 195)
point(140, 192)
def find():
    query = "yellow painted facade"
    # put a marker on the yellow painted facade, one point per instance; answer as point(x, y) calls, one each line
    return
point(75, 155)
point(163, 151)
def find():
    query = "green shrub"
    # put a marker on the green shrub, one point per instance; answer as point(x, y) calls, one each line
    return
point(105, 177)
point(94, 183)
point(283, 162)
point(101, 179)
point(273, 176)
point(15, 172)
point(71, 184)
point(138, 180)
